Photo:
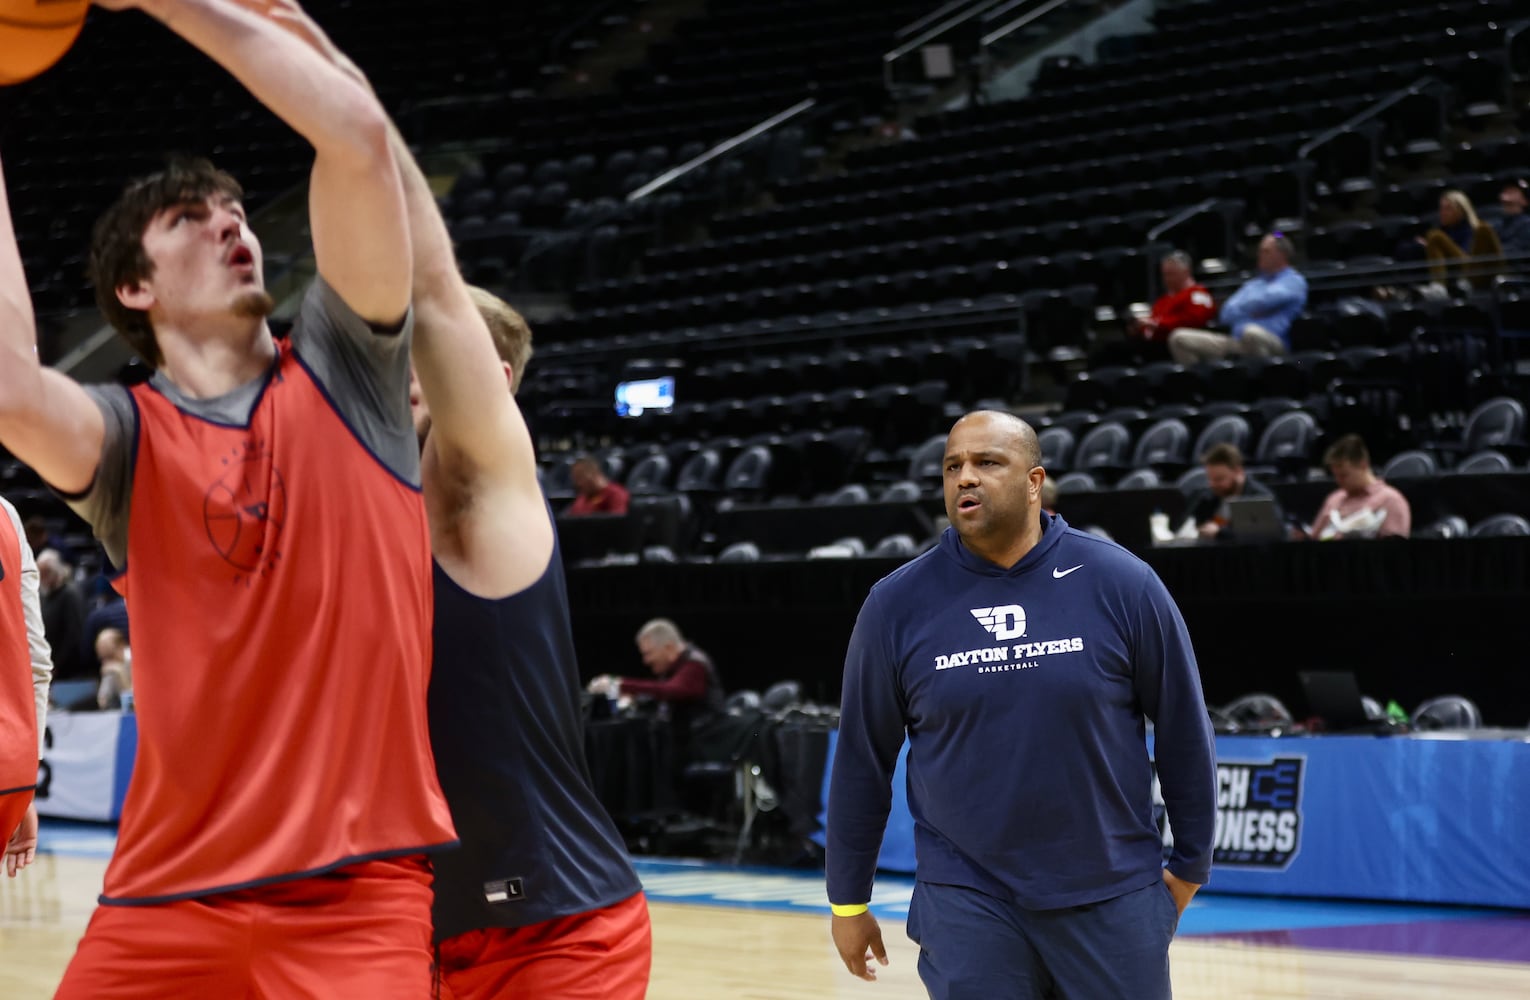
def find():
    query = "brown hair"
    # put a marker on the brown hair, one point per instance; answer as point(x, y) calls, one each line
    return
point(1348, 450)
point(117, 256)
point(1225, 453)
point(512, 337)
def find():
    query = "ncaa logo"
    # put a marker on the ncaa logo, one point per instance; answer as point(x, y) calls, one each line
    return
point(1007, 622)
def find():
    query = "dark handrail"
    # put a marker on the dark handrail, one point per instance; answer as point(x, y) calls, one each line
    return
point(891, 57)
point(1416, 87)
point(1371, 275)
point(930, 18)
point(1305, 152)
point(722, 148)
point(1182, 216)
point(1020, 22)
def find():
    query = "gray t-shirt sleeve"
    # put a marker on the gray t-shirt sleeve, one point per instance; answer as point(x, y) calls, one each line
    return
point(105, 505)
point(365, 374)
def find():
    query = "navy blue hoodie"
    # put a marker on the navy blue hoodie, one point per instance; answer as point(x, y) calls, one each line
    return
point(1023, 693)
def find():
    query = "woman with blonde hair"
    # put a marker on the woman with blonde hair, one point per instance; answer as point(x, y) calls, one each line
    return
point(1460, 235)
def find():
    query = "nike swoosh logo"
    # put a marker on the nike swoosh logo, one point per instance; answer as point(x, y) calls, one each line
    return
point(1058, 574)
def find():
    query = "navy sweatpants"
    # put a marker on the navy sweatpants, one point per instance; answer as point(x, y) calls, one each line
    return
point(975, 947)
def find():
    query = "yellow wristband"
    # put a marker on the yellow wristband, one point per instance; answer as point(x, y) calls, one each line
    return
point(848, 909)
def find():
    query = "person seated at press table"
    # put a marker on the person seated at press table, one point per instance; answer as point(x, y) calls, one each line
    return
point(1363, 506)
point(685, 683)
point(1206, 514)
point(594, 492)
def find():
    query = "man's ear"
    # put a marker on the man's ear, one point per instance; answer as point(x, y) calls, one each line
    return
point(136, 295)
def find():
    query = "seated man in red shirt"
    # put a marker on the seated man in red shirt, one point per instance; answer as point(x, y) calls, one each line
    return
point(595, 493)
point(1185, 303)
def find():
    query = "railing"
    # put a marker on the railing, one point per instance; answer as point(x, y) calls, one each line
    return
point(1305, 152)
point(889, 59)
point(1367, 277)
point(1173, 222)
point(1020, 22)
point(930, 18)
point(723, 148)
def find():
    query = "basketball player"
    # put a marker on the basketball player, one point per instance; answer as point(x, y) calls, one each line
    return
point(262, 501)
point(23, 706)
point(541, 899)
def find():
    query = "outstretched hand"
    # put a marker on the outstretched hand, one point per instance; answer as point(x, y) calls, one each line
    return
point(859, 940)
point(291, 16)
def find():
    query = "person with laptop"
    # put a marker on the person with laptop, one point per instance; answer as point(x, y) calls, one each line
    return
point(1208, 515)
point(1363, 506)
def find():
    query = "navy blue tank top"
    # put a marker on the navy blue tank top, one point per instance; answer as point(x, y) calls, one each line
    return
point(508, 737)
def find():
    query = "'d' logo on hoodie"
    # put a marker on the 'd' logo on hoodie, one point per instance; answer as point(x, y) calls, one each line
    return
point(1006, 622)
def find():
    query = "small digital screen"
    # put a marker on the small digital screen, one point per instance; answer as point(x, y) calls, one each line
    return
point(647, 395)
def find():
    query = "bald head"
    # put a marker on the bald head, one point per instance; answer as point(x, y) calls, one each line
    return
point(1006, 427)
point(52, 571)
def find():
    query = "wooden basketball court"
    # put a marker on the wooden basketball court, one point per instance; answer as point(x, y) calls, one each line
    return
point(711, 950)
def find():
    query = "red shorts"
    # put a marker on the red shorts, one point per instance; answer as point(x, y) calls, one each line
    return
point(13, 809)
point(601, 955)
point(360, 931)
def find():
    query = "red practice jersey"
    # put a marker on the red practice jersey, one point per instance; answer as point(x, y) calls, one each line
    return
point(278, 586)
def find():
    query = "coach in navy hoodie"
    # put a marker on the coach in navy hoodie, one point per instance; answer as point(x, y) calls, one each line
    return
point(1022, 657)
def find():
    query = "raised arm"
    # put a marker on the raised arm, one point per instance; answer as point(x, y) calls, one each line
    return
point(474, 420)
point(356, 203)
point(46, 420)
point(479, 441)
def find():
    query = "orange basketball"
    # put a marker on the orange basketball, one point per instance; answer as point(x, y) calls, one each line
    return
point(34, 34)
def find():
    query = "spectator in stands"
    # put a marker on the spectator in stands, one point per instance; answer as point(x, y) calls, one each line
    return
point(1514, 227)
point(595, 493)
point(1459, 235)
point(1185, 303)
point(116, 687)
point(1363, 506)
point(1258, 317)
point(685, 680)
point(63, 612)
point(1225, 480)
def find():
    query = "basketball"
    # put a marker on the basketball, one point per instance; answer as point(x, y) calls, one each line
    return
point(35, 34)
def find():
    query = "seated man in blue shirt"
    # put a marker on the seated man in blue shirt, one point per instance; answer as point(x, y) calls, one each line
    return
point(1258, 316)
point(1514, 227)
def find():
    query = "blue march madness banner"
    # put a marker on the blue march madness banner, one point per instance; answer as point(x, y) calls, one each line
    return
point(1416, 819)
point(1363, 817)
point(1259, 813)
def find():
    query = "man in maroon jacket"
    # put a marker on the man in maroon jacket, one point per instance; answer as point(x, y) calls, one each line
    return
point(685, 681)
